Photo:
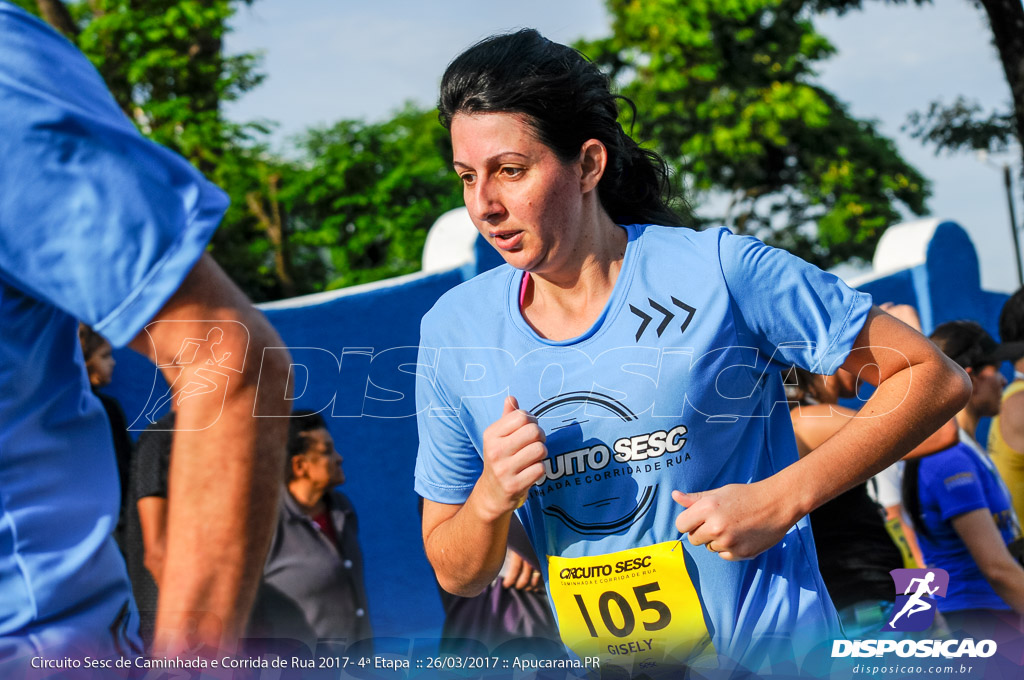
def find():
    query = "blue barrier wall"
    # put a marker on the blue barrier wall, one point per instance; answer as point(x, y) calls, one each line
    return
point(355, 346)
point(946, 287)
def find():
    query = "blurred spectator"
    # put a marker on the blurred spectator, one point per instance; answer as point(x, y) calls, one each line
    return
point(99, 364)
point(1006, 435)
point(970, 345)
point(312, 584)
point(961, 508)
point(886, 486)
point(146, 525)
point(855, 548)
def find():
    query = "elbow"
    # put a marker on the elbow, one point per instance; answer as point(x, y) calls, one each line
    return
point(271, 372)
point(964, 389)
point(267, 373)
point(460, 587)
point(464, 580)
point(957, 387)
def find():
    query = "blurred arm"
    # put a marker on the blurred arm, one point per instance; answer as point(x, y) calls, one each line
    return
point(981, 536)
point(224, 478)
point(153, 521)
point(1011, 421)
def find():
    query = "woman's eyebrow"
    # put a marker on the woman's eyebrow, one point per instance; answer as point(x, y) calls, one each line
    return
point(493, 159)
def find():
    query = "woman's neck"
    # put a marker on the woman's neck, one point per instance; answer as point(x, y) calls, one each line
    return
point(967, 420)
point(565, 303)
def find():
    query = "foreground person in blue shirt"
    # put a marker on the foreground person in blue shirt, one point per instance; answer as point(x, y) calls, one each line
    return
point(101, 225)
point(616, 385)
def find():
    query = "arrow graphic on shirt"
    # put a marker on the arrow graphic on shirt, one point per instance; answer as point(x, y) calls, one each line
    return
point(667, 316)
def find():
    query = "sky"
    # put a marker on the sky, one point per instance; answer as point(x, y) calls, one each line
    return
point(328, 60)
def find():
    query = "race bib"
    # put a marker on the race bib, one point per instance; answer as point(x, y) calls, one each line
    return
point(636, 608)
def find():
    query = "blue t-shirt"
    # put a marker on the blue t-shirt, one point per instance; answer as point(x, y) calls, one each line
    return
point(96, 224)
point(954, 482)
point(676, 386)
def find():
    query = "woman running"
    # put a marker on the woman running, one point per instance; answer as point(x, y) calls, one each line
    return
point(616, 385)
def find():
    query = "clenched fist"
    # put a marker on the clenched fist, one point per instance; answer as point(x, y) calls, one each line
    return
point(513, 451)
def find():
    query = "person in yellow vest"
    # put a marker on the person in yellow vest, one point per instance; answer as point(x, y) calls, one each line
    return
point(1006, 434)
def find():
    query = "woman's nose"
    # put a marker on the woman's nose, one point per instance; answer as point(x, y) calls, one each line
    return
point(487, 205)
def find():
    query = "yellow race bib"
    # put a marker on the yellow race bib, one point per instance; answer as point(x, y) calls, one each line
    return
point(635, 608)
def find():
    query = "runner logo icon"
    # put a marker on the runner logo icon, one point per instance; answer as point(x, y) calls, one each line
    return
point(916, 590)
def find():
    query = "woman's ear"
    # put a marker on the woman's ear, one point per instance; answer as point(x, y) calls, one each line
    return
point(593, 161)
point(298, 466)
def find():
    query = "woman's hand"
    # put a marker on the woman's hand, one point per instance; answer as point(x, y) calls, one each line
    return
point(737, 521)
point(513, 451)
point(519, 574)
point(466, 542)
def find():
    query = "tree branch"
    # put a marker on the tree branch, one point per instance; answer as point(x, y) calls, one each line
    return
point(57, 15)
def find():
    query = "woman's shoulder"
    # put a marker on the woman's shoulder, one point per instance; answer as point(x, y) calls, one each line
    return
point(957, 459)
point(481, 297)
point(680, 248)
point(714, 244)
point(678, 235)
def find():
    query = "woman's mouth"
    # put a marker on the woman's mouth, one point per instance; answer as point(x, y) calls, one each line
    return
point(506, 240)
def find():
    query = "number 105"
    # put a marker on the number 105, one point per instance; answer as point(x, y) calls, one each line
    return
point(626, 613)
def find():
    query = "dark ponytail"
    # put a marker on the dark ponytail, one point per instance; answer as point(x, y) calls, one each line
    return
point(566, 100)
point(910, 489)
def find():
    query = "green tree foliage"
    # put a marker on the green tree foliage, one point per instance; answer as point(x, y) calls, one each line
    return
point(726, 91)
point(964, 125)
point(372, 191)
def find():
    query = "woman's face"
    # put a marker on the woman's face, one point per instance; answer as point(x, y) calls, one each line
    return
point(986, 396)
point(522, 198)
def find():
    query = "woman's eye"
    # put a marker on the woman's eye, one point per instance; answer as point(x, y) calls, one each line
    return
point(467, 177)
point(510, 171)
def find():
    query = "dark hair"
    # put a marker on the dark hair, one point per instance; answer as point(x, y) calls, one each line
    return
point(966, 343)
point(299, 425)
point(91, 340)
point(566, 100)
point(1011, 319)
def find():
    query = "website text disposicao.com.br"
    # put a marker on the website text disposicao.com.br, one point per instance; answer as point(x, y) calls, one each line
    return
point(905, 669)
point(914, 658)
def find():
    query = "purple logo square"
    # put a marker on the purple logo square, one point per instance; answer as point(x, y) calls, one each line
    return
point(916, 590)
